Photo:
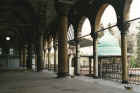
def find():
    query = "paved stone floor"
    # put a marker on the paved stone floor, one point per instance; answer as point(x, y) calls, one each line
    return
point(46, 82)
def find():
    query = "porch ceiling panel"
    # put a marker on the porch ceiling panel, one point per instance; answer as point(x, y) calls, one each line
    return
point(83, 42)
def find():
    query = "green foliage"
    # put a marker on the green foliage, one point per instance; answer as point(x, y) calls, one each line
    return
point(110, 29)
point(138, 47)
point(133, 62)
point(100, 34)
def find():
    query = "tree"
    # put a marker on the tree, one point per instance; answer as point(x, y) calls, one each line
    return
point(130, 42)
point(110, 29)
point(100, 34)
point(138, 47)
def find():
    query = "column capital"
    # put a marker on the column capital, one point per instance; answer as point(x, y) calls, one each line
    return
point(77, 37)
point(49, 49)
point(94, 35)
point(62, 8)
point(42, 6)
point(41, 33)
point(124, 27)
point(55, 44)
point(55, 47)
point(77, 40)
point(124, 32)
point(25, 46)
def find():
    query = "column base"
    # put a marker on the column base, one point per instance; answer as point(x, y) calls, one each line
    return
point(89, 75)
point(124, 81)
point(39, 70)
point(62, 75)
point(49, 68)
point(95, 77)
point(77, 74)
point(30, 70)
point(55, 70)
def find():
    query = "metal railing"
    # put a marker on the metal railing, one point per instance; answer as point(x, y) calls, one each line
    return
point(134, 75)
point(110, 70)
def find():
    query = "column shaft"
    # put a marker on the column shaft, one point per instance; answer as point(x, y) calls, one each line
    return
point(49, 63)
point(39, 50)
point(95, 57)
point(29, 59)
point(21, 57)
point(62, 47)
point(24, 57)
point(45, 58)
point(124, 58)
point(77, 63)
point(90, 62)
point(36, 62)
point(55, 53)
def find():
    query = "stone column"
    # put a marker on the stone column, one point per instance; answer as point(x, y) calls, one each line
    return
point(35, 62)
point(124, 57)
point(57, 59)
point(70, 57)
point(124, 29)
point(77, 63)
point(42, 27)
point(100, 68)
point(39, 52)
point(95, 54)
point(29, 57)
point(24, 58)
point(90, 63)
point(49, 63)
point(62, 47)
point(21, 57)
point(55, 54)
point(44, 58)
point(49, 46)
point(63, 10)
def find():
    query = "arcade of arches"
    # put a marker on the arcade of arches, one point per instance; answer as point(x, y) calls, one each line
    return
point(31, 29)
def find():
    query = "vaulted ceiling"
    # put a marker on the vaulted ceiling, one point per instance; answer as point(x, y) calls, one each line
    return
point(22, 19)
point(17, 20)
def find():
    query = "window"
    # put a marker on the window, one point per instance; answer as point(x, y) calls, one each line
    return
point(11, 51)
